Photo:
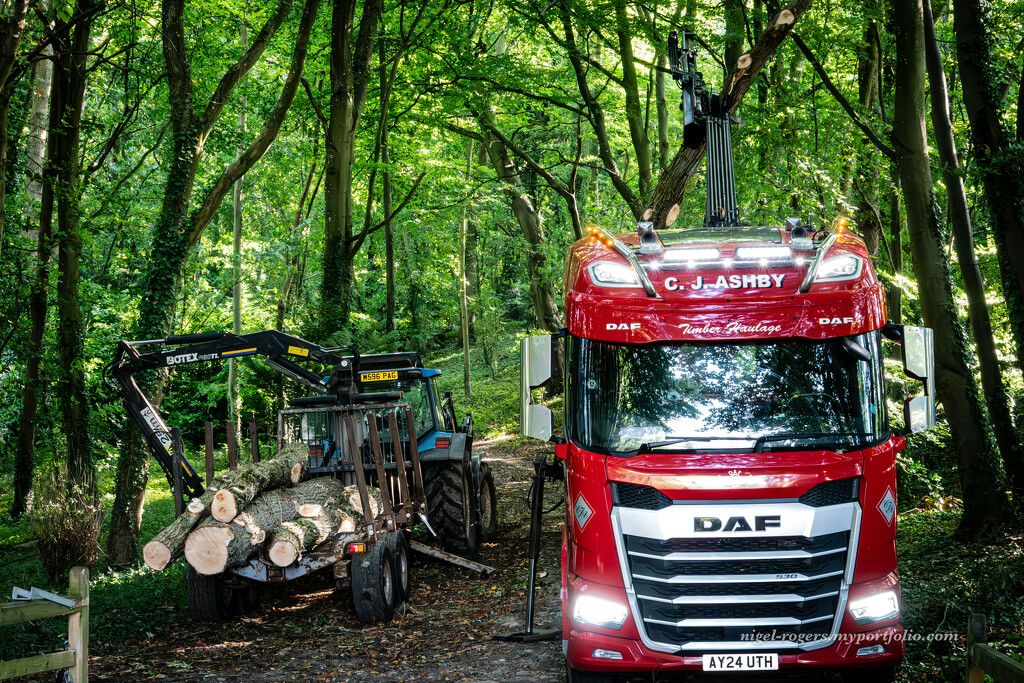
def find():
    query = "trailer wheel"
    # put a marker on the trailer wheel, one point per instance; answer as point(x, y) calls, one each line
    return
point(373, 584)
point(399, 548)
point(246, 600)
point(488, 504)
point(209, 597)
point(448, 508)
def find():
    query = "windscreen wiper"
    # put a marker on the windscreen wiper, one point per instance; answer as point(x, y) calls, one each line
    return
point(766, 438)
point(679, 439)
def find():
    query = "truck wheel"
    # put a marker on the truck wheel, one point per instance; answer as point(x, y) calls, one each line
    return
point(399, 548)
point(578, 676)
point(881, 674)
point(209, 598)
point(488, 504)
point(373, 584)
point(447, 508)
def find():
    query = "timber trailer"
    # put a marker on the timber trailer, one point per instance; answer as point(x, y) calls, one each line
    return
point(729, 466)
point(356, 422)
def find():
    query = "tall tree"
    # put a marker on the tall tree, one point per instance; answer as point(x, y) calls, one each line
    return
point(985, 505)
point(998, 159)
point(178, 228)
point(963, 239)
point(63, 174)
point(351, 54)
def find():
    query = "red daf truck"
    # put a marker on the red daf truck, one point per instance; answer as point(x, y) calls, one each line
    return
point(730, 474)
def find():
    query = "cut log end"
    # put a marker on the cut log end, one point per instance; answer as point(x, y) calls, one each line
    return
point(282, 553)
point(785, 18)
point(207, 549)
point(744, 61)
point(224, 508)
point(672, 215)
point(648, 213)
point(196, 506)
point(309, 509)
point(296, 473)
point(156, 555)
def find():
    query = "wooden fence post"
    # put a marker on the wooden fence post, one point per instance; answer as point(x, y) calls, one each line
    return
point(232, 445)
point(209, 453)
point(976, 633)
point(78, 622)
point(254, 440)
point(176, 453)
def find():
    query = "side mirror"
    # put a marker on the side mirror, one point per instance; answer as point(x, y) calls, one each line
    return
point(919, 363)
point(535, 421)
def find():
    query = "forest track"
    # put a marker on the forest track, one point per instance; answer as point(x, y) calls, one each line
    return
point(308, 631)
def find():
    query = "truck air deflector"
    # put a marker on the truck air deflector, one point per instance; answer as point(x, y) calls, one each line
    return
point(781, 588)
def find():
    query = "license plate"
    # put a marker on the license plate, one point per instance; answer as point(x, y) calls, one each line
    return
point(766, 661)
point(378, 376)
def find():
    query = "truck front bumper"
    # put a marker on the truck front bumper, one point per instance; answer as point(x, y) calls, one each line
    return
point(582, 646)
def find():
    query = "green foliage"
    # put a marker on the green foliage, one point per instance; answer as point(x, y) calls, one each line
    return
point(943, 582)
point(65, 526)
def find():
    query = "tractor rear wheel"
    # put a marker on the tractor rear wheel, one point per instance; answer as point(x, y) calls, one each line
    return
point(449, 507)
point(373, 584)
point(209, 597)
point(488, 504)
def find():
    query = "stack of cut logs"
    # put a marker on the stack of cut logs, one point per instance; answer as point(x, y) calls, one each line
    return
point(259, 508)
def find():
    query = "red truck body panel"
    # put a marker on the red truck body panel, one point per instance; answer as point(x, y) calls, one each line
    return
point(722, 303)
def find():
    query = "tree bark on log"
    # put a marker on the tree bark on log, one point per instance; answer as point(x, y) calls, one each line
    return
point(249, 481)
point(169, 544)
point(288, 542)
point(215, 546)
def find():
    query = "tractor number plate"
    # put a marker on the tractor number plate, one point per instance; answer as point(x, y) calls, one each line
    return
point(379, 376)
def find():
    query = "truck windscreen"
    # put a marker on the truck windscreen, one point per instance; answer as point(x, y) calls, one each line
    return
point(749, 396)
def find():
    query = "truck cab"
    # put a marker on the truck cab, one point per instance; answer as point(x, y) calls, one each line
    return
point(729, 463)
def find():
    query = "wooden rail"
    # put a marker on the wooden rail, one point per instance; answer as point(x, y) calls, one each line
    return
point(76, 657)
point(984, 659)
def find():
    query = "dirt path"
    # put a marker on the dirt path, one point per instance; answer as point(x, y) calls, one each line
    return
point(307, 631)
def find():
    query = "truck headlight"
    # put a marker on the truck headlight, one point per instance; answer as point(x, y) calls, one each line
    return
point(599, 612)
point(878, 607)
point(839, 268)
point(612, 274)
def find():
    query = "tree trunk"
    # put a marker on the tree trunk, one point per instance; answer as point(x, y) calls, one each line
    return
point(998, 161)
point(634, 114)
point(63, 154)
point(963, 239)
point(463, 280)
point(985, 503)
point(350, 63)
point(894, 294)
point(177, 231)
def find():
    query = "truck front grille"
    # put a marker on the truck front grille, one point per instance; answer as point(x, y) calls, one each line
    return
point(738, 593)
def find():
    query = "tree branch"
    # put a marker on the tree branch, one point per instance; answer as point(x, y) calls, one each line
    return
point(202, 217)
point(239, 69)
point(843, 102)
point(358, 239)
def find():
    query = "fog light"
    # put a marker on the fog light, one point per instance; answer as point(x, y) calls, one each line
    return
point(606, 654)
point(873, 650)
point(599, 612)
point(878, 607)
